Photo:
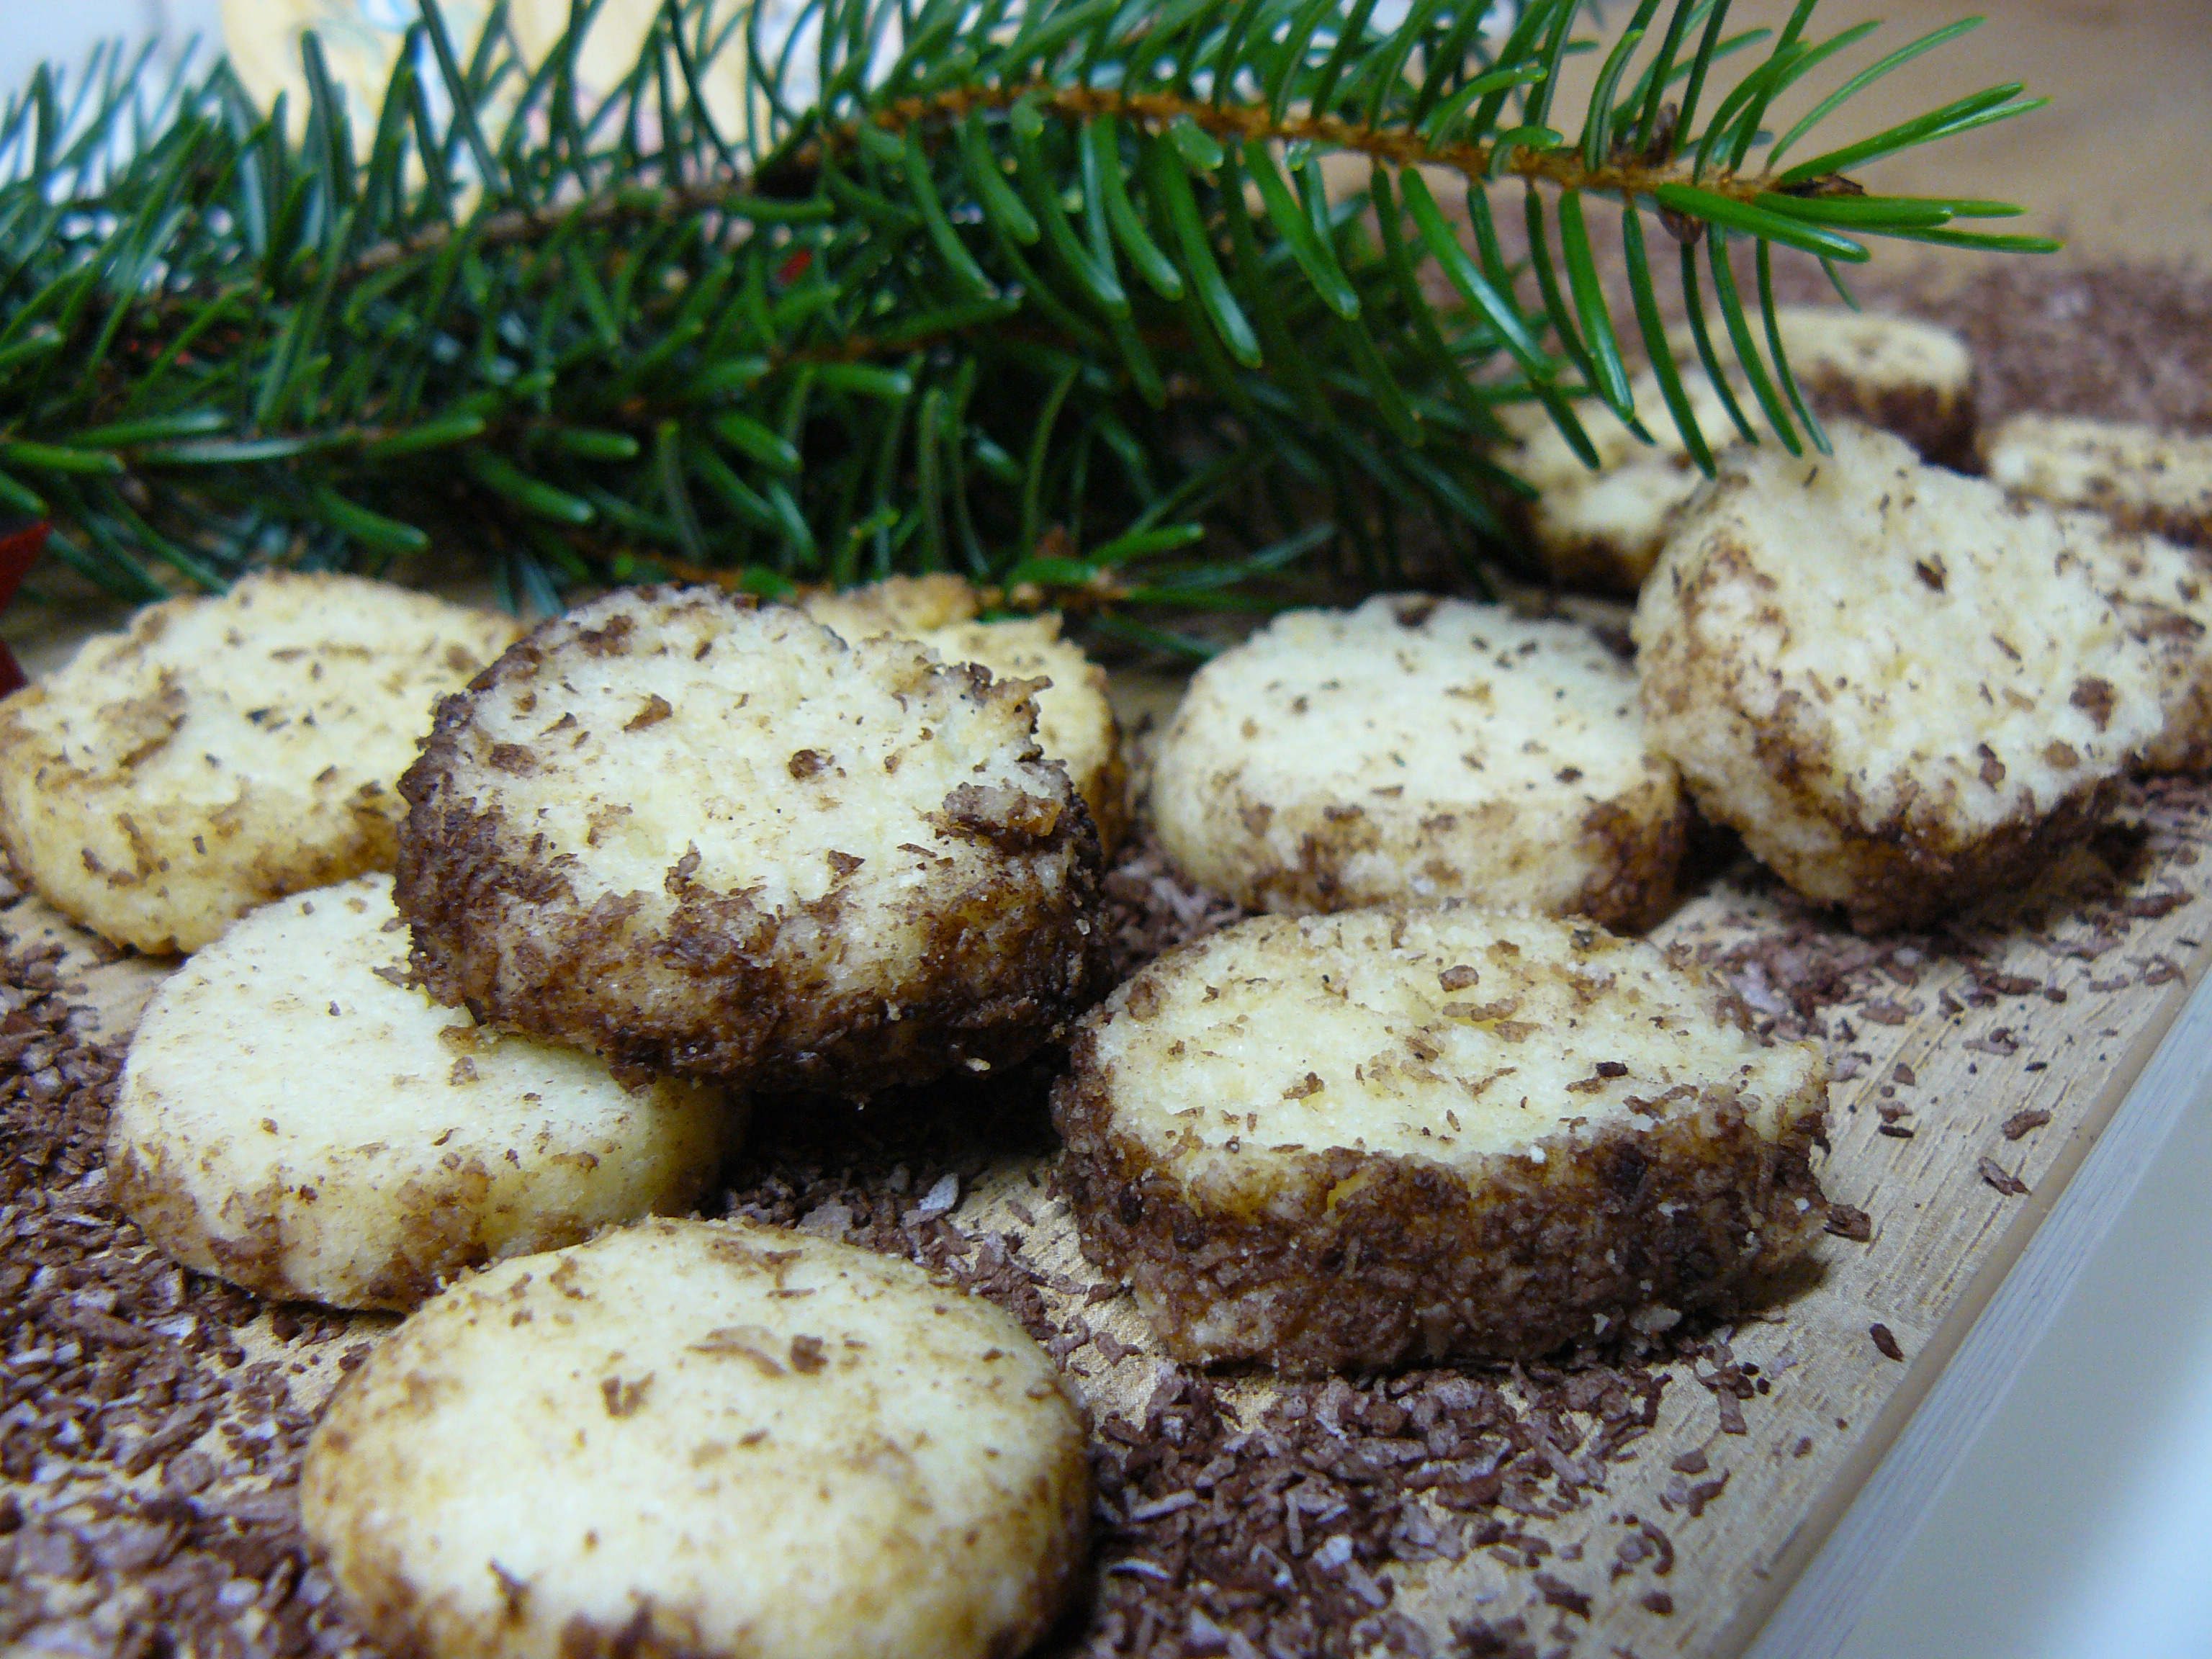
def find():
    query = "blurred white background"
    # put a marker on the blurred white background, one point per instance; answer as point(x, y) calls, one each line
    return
point(32, 30)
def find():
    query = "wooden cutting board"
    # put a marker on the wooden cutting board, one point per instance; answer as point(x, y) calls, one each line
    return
point(2049, 1005)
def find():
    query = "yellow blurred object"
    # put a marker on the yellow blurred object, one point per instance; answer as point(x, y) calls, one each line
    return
point(617, 36)
point(361, 40)
point(361, 43)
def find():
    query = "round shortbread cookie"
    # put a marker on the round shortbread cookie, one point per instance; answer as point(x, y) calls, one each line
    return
point(1365, 1139)
point(296, 1118)
point(702, 1438)
point(223, 752)
point(1416, 750)
point(699, 837)
point(1075, 722)
point(1600, 529)
point(1907, 376)
point(1603, 529)
point(1903, 691)
point(2163, 595)
point(2139, 477)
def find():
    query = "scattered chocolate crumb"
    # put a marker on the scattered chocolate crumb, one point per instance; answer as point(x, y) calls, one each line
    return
point(1846, 1221)
point(1150, 908)
point(2010, 1185)
point(1479, 1639)
point(2126, 342)
point(1557, 1593)
point(2156, 905)
point(1658, 1602)
point(155, 1464)
point(1885, 1340)
point(2021, 1122)
point(1704, 1492)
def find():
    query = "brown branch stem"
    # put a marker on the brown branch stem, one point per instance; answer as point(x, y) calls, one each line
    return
point(1399, 146)
point(1562, 167)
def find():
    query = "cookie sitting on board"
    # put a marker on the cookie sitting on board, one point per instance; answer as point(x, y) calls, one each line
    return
point(699, 837)
point(1903, 692)
point(1416, 750)
point(2140, 476)
point(1342, 1142)
point(223, 752)
point(297, 1119)
point(2163, 593)
point(700, 1437)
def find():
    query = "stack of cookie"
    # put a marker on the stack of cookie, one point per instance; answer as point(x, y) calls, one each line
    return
point(666, 851)
point(670, 848)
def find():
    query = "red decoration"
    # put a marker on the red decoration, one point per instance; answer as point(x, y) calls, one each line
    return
point(19, 551)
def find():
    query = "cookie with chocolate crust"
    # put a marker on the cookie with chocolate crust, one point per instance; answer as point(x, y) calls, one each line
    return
point(713, 1439)
point(2163, 593)
point(2140, 476)
point(221, 752)
point(1905, 375)
point(701, 836)
point(1390, 1137)
point(1075, 722)
point(1602, 529)
point(1903, 690)
point(1416, 750)
point(296, 1118)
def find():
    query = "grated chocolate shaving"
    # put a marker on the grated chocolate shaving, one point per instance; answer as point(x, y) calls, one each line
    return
point(1846, 1222)
point(155, 1513)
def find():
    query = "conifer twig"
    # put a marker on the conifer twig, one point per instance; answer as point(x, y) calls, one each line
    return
point(1056, 297)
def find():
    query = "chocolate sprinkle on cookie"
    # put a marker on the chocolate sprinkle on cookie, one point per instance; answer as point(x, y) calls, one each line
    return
point(698, 836)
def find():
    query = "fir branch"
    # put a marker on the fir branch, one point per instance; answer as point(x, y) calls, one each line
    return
point(1050, 297)
point(1617, 171)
